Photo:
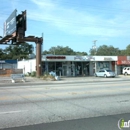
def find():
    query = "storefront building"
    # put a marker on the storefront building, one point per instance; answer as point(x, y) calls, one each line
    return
point(8, 64)
point(65, 65)
point(122, 61)
point(68, 65)
point(105, 62)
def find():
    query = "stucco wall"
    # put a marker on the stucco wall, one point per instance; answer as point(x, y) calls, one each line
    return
point(27, 65)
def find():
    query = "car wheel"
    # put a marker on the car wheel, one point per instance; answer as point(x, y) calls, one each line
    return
point(126, 73)
point(105, 75)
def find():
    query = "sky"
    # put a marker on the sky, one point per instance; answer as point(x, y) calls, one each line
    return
point(73, 23)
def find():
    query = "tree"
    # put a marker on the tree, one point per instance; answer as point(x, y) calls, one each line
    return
point(81, 53)
point(123, 52)
point(127, 51)
point(1, 54)
point(105, 50)
point(18, 51)
point(60, 50)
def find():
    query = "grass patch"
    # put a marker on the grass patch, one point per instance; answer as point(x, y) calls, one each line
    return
point(48, 77)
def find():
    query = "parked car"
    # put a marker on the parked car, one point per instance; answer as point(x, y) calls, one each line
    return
point(126, 70)
point(105, 73)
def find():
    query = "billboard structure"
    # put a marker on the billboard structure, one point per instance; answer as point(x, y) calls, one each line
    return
point(21, 24)
point(10, 24)
point(14, 34)
point(14, 28)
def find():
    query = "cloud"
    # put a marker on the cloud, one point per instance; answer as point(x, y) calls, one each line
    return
point(79, 22)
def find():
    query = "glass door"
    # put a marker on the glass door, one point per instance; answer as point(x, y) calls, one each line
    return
point(64, 70)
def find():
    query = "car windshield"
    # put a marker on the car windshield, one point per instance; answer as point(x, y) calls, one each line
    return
point(109, 70)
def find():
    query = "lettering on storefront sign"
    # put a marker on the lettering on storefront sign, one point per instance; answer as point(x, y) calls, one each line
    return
point(89, 58)
point(83, 58)
point(2, 61)
point(78, 58)
point(55, 57)
point(125, 62)
point(107, 58)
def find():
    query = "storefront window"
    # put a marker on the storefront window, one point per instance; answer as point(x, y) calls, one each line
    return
point(103, 65)
point(51, 66)
point(59, 68)
point(85, 68)
point(43, 68)
point(78, 68)
point(64, 69)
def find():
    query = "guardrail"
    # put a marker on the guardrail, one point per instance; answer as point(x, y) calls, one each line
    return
point(15, 77)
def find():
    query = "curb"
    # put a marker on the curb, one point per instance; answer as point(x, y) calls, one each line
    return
point(30, 81)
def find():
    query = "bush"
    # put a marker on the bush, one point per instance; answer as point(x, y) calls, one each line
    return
point(29, 74)
point(48, 77)
point(33, 74)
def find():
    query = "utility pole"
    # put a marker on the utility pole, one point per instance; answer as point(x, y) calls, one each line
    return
point(94, 47)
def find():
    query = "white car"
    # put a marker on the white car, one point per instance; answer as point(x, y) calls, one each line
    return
point(126, 70)
point(105, 73)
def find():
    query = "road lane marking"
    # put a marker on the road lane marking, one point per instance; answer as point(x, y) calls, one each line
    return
point(12, 112)
point(8, 97)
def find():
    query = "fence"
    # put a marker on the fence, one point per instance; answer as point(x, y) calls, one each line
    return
point(8, 72)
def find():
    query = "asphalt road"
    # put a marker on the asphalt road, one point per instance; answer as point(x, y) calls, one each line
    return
point(65, 104)
point(95, 123)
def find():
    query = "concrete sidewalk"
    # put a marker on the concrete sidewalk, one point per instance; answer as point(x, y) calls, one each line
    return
point(7, 80)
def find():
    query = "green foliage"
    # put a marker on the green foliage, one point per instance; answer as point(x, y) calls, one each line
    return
point(127, 52)
point(16, 51)
point(60, 50)
point(81, 53)
point(105, 50)
point(1, 54)
point(33, 74)
point(123, 53)
point(48, 77)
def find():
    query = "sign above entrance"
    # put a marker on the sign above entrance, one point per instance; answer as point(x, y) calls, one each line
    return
point(89, 58)
point(55, 57)
point(8, 61)
point(107, 58)
point(2, 61)
point(78, 58)
point(84, 58)
point(123, 62)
